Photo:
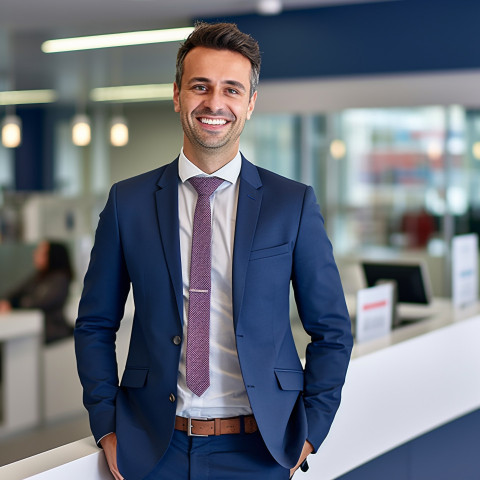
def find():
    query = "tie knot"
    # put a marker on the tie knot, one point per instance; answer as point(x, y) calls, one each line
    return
point(205, 185)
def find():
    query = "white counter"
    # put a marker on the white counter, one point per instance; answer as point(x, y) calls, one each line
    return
point(397, 388)
point(21, 334)
point(419, 378)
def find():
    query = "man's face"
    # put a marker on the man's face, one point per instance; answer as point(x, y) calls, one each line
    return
point(214, 100)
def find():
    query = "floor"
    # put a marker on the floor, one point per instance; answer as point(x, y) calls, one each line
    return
point(43, 438)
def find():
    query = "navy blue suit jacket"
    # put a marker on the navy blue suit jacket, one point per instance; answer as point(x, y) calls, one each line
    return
point(279, 238)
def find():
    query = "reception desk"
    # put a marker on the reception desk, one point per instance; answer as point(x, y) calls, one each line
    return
point(21, 334)
point(399, 387)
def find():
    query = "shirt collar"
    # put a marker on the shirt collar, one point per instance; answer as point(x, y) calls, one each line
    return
point(229, 172)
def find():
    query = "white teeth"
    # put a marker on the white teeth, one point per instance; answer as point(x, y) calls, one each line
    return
point(213, 121)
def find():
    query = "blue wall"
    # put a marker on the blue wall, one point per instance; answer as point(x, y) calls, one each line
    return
point(31, 166)
point(34, 169)
point(372, 38)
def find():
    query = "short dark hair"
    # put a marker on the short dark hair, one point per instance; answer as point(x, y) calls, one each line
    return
point(221, 36)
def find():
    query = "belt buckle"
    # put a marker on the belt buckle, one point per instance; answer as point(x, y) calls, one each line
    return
point(190, 426)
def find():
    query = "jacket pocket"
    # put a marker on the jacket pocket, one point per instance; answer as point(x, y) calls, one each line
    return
point(134, 377)
point(270, 252)
point(289, 379)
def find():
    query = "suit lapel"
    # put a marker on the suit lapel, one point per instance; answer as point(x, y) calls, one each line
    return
point(248, 209)
point(167, 213)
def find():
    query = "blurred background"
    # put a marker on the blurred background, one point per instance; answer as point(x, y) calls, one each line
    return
point(374, 103)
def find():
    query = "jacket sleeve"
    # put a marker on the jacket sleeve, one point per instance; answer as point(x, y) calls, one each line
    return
point(101, 309)
point(323, 312)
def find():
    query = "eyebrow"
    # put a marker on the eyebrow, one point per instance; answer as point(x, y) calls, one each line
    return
point(233, 83)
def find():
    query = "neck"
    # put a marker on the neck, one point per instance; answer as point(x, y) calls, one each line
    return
point(209, 161)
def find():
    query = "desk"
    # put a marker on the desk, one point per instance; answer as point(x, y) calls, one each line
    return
point(416, 379)
point(401, 386)
point(21, 334)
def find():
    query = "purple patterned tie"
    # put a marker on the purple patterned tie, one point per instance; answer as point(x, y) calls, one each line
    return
point(198, 330)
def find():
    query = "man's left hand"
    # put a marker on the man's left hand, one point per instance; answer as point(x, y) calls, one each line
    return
point(306, 451)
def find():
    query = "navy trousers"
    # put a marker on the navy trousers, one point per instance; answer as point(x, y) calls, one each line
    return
point(224, 457)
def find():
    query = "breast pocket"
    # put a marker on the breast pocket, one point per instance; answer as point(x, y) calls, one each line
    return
point(270, 252)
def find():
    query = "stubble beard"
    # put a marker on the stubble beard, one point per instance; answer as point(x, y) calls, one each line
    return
point(210, 141)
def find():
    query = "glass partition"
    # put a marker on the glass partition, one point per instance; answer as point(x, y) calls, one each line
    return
point(395, 181)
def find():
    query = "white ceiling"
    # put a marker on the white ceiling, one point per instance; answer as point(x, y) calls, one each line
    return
point(25, 24)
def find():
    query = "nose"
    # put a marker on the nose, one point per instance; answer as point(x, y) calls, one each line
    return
point(213, 101)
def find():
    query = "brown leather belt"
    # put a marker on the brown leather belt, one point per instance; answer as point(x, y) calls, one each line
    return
point(215, 426)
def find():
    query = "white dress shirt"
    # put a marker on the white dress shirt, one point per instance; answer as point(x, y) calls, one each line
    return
point(226, 395)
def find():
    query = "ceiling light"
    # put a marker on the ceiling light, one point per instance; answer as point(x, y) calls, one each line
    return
point(269, 7)
point(434, 151)
point(19, 97)
point(116, 40)
point(81, 131)
point(338, 149)
point(476, 150)
point(11, 131)
point(119, 132)
point(133, 93)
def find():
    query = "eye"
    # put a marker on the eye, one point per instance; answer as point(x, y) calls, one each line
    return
point(233, 91)
point(200, 88)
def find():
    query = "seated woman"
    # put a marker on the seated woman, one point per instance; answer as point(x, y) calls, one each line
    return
point(46, 290)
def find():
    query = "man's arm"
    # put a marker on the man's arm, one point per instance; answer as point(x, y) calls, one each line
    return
point(101, 308)
point(323, 312)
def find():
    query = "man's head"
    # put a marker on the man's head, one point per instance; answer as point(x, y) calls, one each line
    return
point(221, 36)
point(215, 92)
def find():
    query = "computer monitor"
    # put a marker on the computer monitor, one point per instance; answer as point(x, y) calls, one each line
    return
point(411, 278)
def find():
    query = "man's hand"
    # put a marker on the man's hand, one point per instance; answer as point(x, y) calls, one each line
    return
point(306, 451)
point(109, 445)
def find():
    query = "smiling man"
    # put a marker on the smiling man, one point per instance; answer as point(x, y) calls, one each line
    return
point(214, 102)
point(213, 387)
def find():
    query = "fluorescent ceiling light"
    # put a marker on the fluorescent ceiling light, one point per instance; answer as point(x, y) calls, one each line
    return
point(133, 93)
point(116, 40)
point(19, 97)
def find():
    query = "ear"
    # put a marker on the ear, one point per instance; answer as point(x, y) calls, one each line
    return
point(251, 105)
point(176, 98)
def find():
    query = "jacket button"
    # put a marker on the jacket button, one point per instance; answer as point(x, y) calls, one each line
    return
point(171, 397)
point(177, 340)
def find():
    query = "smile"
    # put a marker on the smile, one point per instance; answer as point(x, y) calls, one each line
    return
point(213, 121)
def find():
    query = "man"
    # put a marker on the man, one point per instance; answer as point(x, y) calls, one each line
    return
point(211, 351)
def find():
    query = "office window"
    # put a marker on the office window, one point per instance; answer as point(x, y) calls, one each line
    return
point(472, 172)
point(69, 159)
point(391, 184)
point(272, 141)
point(7, 175)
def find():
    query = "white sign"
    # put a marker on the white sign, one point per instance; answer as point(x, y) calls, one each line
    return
point(374, 312)
point(464, 270)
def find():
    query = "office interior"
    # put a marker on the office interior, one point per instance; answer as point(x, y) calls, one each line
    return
point(375, 104)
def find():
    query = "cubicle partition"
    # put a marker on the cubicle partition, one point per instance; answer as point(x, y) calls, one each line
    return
point(21, 336)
